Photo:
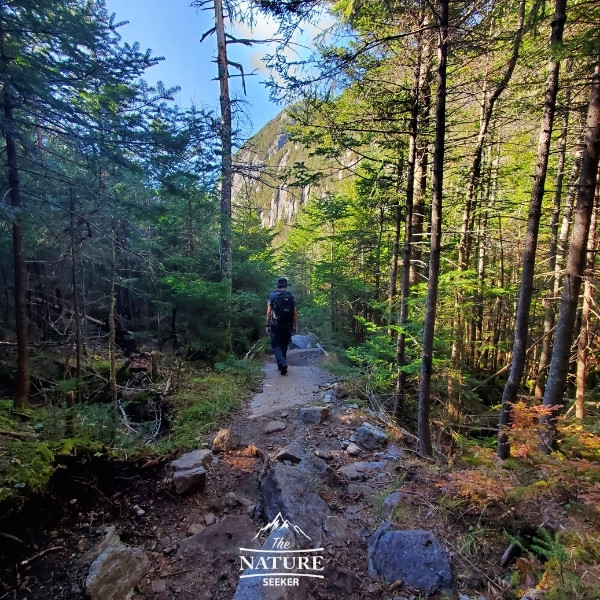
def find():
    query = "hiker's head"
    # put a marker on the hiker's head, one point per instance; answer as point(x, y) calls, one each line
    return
point(282, 282)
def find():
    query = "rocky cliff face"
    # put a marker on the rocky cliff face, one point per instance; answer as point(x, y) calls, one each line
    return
point(265, 176)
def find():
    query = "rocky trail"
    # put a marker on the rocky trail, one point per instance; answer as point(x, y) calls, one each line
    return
point(301, 459)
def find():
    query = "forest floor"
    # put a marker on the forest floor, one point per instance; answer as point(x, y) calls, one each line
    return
point(140, 503)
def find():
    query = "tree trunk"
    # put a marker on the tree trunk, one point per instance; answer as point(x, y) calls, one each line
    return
point(552, 285)
point(583, 349)
point(424, 430)
point(557, 376)
point(226, 143)
point(112, 335)
point(76, 313)
point(509, 395)
point(21, 398)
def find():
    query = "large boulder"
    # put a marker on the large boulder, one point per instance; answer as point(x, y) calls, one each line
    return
point(114, 574)
point(289, 491)
point(415, 557)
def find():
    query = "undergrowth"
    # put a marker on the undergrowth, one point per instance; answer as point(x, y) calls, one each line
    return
point(199, 401)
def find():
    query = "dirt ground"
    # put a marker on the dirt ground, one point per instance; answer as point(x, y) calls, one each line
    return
point(141, 504)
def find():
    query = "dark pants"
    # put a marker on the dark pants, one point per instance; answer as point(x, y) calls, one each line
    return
point(280, 340)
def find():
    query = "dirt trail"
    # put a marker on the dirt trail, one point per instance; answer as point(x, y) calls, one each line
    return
point(149, 515)
point(299, 386)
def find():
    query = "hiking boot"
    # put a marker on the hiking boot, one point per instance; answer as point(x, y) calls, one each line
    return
point(279, 367)
point(284, 369)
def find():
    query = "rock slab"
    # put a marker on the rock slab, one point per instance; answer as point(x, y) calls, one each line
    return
point(289, 491)
point(115, 573)
point(371, 437)
point(293, 451)
point(416, 557)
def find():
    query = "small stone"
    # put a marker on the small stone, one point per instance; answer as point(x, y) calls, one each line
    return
point(339, 391)
point(191, 480)
point(324, 453)
point(314, 414)
point(251, 510)
point(230, 499)
point(158, 586)
point(210, 518)
point(353, 406)
point(390, 504)
point(275, 426)
point(359, 470)
point(191, 460)
point(140, 512)
point(284, 414)
point(352, 438)
point(328, 398)
point(353, 450)
point(359, 490)
point(225, 441)
point(293, 452)
point(345, 444)
point(195, 528)
point(371, 437)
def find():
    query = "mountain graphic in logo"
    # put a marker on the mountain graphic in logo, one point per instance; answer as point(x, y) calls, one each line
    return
point(279, 523)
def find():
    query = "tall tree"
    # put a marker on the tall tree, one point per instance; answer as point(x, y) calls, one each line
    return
point(424, 429)
point(559, 366)
point(511, 388)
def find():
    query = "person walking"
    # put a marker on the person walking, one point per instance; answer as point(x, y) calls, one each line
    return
point(282, 322)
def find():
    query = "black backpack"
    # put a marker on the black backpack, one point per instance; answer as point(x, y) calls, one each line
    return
point(283, 307)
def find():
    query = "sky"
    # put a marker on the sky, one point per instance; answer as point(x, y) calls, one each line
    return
point(172, 29)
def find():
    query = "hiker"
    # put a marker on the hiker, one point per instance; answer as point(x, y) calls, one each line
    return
point(282, 322)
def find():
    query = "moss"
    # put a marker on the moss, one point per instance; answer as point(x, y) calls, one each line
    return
point(25, 466)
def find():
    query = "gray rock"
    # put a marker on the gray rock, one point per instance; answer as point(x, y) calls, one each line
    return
point(360, 470)
point(225, 441)
point(190, 480)
point(339, 391)
point(314, 414)
point(289, 491)
point(275, 426)
point(210, 518)
point(294, 452)
point(111, 540)
point(191, 460)
point(114, 574)
point(316, 468)
point(371, 437)
point(323, 453)
point(361, 490)
point(222, 540)
point(416, 557)
point(195, 528)
point(328, 398)
point(390, 504)
point(353, 450)
point(158, 586)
